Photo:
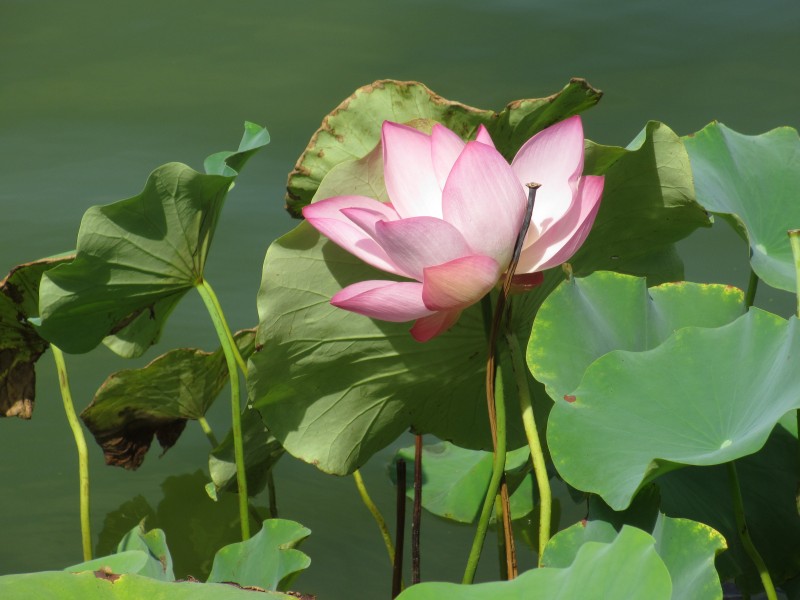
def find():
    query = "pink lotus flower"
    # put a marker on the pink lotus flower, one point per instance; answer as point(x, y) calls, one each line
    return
point(455, 213)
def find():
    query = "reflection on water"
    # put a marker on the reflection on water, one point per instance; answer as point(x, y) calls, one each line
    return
point(94, 95)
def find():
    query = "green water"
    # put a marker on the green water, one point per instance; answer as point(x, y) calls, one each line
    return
point(94, 95)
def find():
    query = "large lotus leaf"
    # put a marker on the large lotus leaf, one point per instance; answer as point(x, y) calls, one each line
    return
point(648, 204)
point(136, 259)
point(134, 405)
point(101, 585)
point(688, 549)
point(584, 318)
point(335, 387)
point(353, 129)
point(261, 452)
point(154, 544)
point(20, 344)
point(769, 481)
point(268, 560)
point(753, 182)
point(230, 163)
point(627, 567)
point(454, 480)
point(637, 415)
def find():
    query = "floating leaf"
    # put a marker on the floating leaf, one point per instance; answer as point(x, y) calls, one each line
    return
point(268, 560)
point(687, 548)
point(128, 562)
point(261, 452)
point(136, 259)
point(627, 567)
point(585, 318)
point(134, 405)
point(454, 480)
point(100, 585)
point(20, 344)
point(768, 480)
point(754, 183)
point(637, 415)
point(353, 129)
point(336, 387)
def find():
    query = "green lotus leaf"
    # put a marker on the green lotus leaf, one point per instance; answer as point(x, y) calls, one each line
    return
point(335, 387)
point(136, 258)
point(768, 480)
point(646, 184)
point(154, 544)
point(454, 480)
point(229, 163)
point(584, 318)
point(688, 549)
point(268, 560)
point(128, 562)
point(101, 585)
point(20, 344)
point(637, 415)
point(627, 567)
point(261, 452)
point(753, 181)
point(353, 129)
point(134, 405)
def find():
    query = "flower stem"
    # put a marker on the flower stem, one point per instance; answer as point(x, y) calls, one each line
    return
point(501, 539)
point(416, 515)
point(212, 439)
point(83, 454)
point(400, 529)
point(273, 498)
point(537, 455)
point(498, 470)
point(376, 514)
point(744, 533)
point(226, 340)
point(218, 307)
point(752, 286)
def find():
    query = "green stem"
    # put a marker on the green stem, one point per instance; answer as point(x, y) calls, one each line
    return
point(744, 533)
point(752, 286)
point(237, 355)
point(498, 467)
point(537, 455)
point(83, 453)
point(376, 514)
point(225, 340)
point(208, 431)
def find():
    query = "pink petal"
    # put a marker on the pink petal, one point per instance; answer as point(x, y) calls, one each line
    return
point(484, 138)
point(484, 200)
point(552, 155)
point(564, 238)
point(329, 218)
point(428, 328)
point(459, 283)
point(554, 159)
point(419, 242)
point(409, 173)
point(445, 148)
point(384, 300)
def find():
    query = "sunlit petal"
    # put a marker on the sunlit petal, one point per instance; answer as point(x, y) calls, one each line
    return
point(419, 242)
point(445, 148)
point(408, 171)
point(384, 300)
point(427, 328)
point(460, 282)
point(484, 200)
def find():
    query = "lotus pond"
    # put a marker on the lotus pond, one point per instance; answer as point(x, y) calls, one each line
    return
point(636, 434)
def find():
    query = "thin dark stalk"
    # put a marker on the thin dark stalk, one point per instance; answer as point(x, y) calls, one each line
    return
point(744, 533)
point(273, 497)
point(501, 539)
point(400, 526)
point(752, 287)
point(416, 517)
